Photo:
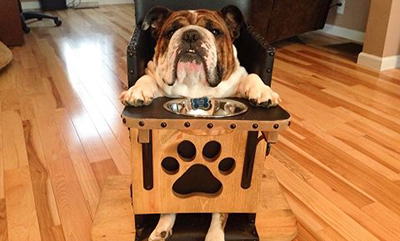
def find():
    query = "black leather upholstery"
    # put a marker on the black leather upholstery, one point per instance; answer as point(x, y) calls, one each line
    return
point(143, 6)
point(254, 53)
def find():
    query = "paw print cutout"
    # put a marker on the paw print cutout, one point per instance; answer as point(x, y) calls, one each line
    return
point(198, 178)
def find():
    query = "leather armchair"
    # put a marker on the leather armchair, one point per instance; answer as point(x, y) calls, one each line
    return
point(254, 53)
point(281, 19)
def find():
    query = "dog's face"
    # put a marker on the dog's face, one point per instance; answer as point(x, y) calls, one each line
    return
point(194, 45)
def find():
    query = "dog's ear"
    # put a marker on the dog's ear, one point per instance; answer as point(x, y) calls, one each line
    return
point(155, 19)
point(233, 18)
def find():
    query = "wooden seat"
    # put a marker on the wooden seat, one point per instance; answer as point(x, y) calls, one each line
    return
point(114, 219)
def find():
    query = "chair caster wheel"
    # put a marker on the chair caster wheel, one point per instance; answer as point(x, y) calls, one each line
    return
point(58, 22)
point(26, 29)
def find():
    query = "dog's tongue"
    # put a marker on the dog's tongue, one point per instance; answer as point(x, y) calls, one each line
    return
point(190, 70)
point(190, 66)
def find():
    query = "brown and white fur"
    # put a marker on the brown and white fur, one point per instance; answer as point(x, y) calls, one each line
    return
point(195, 57)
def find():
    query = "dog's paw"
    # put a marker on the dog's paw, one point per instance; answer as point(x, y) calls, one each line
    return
point(160, 236)
point(215, 235)
point(264, 97)
point(217, 226)
point(136, 96)
point(163, 229)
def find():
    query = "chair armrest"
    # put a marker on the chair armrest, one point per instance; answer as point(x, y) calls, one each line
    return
point(140, 51)
point(255, 54)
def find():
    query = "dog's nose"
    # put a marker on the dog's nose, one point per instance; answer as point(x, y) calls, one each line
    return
point(191, 36)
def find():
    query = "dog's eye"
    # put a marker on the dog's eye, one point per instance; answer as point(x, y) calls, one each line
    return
point(170, 33)
point(215, 31)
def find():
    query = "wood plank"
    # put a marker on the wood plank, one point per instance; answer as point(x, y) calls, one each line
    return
point(275, 219)
point(384, 216)
point(330, 234)
point(345, 133)
point(303, 234)
point(114, 217)
point(323, 172)
point(332, 215)
point(92, 143)
point(22, 220)
point(28, 60)
point(93, 81)
point(84, 172)
point(121, 133)
point(307, 219)
point(353, 211)
point(1, 157)
point(316, 113)
point(96, 137)
point(116, 152)
point(14, 149)
point(102, 169)
point(54, 233)
point(73, 210)
point(343, 158)
point(365, 177)
point(376, 111)
point(360, 72)
point(373, 129)
point(43, 193)
point(345, 76)
point(3, 220)
point(74, 215)
point(387, 158)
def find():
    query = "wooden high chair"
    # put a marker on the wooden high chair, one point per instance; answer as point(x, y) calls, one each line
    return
point(195, 166)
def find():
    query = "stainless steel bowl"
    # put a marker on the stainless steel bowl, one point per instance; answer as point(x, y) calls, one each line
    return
point(204, 107)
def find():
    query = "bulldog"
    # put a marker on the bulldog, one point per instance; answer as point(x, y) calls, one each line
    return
point(195, 57)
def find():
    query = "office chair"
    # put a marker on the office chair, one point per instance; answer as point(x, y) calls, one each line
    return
point(34, 15)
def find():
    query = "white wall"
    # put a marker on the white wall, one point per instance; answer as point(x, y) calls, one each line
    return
point(28, 5)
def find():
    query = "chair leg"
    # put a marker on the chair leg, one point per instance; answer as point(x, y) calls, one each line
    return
point(25, 27)
point(40, 16)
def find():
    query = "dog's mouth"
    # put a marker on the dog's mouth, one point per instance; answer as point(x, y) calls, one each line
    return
point(190, 61)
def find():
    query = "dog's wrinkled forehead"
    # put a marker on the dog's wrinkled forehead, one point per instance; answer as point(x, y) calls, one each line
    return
point(203, 18)
point(163, 22)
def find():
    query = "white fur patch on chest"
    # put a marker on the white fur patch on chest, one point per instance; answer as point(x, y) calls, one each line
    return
point(197, 89)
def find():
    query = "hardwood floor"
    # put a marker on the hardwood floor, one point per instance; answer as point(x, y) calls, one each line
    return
point(61, 133)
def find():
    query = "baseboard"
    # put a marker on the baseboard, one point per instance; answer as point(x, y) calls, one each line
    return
point(378, 63)
point(30, 5)
point(111, 2)
point(36, 4)
point(354, 35)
